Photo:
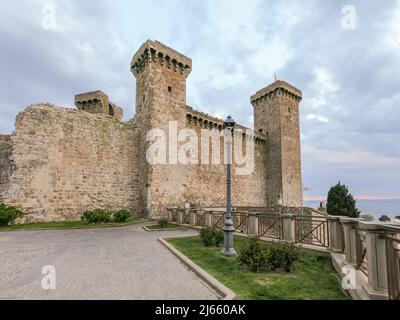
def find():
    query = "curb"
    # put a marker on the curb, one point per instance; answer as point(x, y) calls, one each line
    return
point(73, 228)
point(158, 230)
point(224, 292)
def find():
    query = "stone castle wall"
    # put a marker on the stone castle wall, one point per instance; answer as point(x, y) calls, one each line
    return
point(68, 161)
point(60, 162)
point(206, 183)
point(6, 164)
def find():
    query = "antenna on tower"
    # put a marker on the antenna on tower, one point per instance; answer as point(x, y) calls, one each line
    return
point(275, 76)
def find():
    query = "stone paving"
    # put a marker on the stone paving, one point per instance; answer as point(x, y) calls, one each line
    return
point(111, 263)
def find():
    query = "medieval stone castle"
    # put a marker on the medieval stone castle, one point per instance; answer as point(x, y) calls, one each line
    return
point(60, 162)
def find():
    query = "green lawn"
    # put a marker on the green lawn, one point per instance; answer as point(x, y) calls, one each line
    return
point(313, 278)
point(67, 225)
point(168, 226)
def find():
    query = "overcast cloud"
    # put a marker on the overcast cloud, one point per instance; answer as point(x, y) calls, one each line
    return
point(350, 78)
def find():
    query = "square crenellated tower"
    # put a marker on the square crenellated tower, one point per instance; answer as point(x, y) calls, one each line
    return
point(98, 102)
point(161, 74)
point(276, 114)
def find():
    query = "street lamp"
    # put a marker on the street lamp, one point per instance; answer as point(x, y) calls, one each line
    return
point(228, 250)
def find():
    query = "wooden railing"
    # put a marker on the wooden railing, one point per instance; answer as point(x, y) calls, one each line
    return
point(217, 219)
point(200, 217)
point(312, 230)
point(270, 226)
point(241, 221)
point(174, 214)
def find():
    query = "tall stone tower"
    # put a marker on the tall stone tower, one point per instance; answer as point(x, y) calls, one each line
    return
point(276, 114)
point(161, 74)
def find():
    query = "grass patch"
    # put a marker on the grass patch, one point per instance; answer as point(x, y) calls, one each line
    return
point(166, 227)
point(313, 278)
point(68, 225)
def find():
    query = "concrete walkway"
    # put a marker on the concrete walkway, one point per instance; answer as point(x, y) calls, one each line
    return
point(112, 263)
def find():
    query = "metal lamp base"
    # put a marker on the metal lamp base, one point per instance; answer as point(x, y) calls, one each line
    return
point(228, 252)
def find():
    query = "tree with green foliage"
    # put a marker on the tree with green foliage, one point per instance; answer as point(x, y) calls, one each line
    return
point(384, 218)
point(341, 202)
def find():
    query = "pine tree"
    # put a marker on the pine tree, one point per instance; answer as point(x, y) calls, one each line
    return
point(341, 203)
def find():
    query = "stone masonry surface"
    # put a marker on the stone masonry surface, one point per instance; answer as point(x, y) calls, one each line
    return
point(60, 162)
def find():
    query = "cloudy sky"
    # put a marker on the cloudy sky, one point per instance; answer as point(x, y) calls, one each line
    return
point(348, 69)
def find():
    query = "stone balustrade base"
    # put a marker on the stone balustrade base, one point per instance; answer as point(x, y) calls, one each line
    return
point(363, 290)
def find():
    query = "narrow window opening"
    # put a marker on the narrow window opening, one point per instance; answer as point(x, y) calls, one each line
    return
point(169, 89)
point(110, 110)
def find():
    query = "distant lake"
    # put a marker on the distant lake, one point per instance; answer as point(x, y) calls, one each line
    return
point(375, 208)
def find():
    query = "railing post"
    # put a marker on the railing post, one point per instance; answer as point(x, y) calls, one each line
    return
point(253, 224)
point(181, 216)
point(208, 219)
point(349, 231)
point(193, 217)
point(376, 256)
point(336, 241)
point(289, 227)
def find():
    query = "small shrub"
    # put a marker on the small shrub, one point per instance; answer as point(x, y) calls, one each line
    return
point(384, 218)
point(283, 256)
point(218, 237)
point(211, 236)
point(163, 222)
point(8, 215)
point(258, 257)
point(121, 215)
point(96, 216)
point(254, 255)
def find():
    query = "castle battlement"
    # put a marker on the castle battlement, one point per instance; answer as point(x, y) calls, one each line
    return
point(154, 51)
point(206, 121)
point(277, 88)
point(98, 102)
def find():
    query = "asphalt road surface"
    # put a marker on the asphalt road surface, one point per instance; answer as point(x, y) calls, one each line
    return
point(112, 263)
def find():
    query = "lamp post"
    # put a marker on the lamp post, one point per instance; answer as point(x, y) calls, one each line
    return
point(228, 250)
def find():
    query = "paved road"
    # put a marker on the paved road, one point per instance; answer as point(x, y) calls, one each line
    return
point(112, 263)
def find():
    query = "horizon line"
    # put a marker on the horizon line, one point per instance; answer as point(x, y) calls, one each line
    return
point(357, 197)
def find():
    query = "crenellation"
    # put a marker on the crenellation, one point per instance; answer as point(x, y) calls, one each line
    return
point(98, 102)
point(207, 121)
point(154, 51)
point(278, 88)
